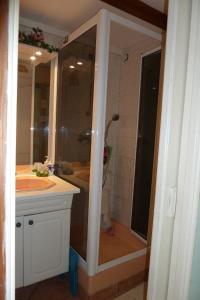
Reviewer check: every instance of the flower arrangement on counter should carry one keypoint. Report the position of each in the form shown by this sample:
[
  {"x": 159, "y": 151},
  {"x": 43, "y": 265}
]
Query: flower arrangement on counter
[
  {"x": 43, "y": 169},
  {"x": 40, "y": 170},
  {"x": 36, "y": 38}
]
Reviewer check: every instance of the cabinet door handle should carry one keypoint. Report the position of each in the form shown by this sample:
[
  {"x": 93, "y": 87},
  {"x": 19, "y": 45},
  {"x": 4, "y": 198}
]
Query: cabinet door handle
[
  {"x": 18, "y": 225},
  {"x": 30, "y": 222}
]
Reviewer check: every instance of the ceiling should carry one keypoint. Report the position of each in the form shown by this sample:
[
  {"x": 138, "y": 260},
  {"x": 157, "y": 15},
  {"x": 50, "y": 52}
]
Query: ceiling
[
  {"x": 123, "y": 38},
  {"x": 67, "y": 15}
]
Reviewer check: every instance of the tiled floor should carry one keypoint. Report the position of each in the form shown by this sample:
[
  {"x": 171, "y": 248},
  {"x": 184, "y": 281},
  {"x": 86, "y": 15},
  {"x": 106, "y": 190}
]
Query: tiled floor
[
  {"x": 56, "y": 288},
  {"x": 138, "y": 293},
  {"x": 121, "y": 243}
]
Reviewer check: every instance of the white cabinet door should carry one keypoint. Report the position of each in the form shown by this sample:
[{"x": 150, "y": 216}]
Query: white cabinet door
[
  {"x": 46, "y": 245},
  {"x": 19, "y": 253}
]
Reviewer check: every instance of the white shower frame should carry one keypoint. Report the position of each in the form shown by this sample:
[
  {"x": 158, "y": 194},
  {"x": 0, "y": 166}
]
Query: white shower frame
[{"x": 102, "y": 20}]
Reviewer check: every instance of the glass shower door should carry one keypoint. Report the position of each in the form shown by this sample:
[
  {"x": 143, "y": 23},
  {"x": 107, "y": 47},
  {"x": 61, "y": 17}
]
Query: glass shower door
[
  {"x": 76, "y": 64},
  {"x": 145, "y": 143}
]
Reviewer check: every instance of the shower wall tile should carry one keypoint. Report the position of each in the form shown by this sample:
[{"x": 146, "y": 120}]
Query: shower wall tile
[
  {"x": 122, "y": 207},
  {"x": 126, "y": 147},
  {"x": 128, "y": 126},
  {"x": 127, "y": 132},
  {"x": 125, "y": 107},
  {"x": 122, "y": 211},
  {"x": 112, "y": 107},
  {"x": 123, "y": 187},
  {"x": 123, "y": 169},
  {"x": 112, "y": 164},
  {"x": 109, "y": 181},
  {"x": 113, "y": 130}
]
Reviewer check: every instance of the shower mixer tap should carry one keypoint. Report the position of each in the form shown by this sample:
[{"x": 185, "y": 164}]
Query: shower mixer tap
[{"x": 85, "y": 135}]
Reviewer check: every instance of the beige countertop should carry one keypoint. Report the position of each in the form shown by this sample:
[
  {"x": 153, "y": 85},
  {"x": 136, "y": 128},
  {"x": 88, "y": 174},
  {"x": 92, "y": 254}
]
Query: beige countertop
[{"x": 59, "y": 187}]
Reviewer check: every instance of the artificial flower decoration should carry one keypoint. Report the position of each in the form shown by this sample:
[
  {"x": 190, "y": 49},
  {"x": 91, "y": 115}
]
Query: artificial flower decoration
[{"x": 36, "y": 38}]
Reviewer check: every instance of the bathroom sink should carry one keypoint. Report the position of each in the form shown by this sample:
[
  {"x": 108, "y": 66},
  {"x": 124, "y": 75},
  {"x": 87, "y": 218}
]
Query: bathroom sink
[{"x": 24, "y": 184}]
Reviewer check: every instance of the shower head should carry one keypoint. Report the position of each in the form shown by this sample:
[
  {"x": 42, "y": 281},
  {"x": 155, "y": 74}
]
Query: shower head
[{"x": 115, "y": 117}]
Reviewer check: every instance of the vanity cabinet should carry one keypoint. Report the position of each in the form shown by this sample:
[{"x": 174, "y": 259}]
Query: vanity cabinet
[
  {"x": 42, "y": 246},
  {"x": 43, "y": 230}
]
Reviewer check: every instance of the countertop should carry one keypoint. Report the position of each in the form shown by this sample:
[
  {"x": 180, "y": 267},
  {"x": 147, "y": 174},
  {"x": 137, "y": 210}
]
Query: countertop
[{"x": 60, "y": 188}]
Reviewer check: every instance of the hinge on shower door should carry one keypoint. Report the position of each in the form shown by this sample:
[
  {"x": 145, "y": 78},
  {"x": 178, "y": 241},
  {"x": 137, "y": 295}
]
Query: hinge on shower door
[{"x": 171, "y": 209}]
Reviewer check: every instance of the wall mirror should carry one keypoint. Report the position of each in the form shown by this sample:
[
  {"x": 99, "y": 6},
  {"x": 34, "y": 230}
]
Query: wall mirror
[{"x": 37, "y": 69}]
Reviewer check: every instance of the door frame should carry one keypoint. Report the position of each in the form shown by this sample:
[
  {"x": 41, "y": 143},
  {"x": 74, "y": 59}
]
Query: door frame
[
  {"x": 3, "y": 115},
  {"x": 10, "y": 155},
  {"x": 185, "y": 223},
  {"x": 177, "y": 177}
]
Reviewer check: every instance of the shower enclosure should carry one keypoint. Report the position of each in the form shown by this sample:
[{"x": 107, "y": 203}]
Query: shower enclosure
[{"x": 96, "y": 134}]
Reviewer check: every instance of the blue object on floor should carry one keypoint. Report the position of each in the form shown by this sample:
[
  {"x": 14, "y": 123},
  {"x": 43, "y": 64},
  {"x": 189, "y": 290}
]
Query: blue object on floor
[{"x": 73, "y": 271}]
